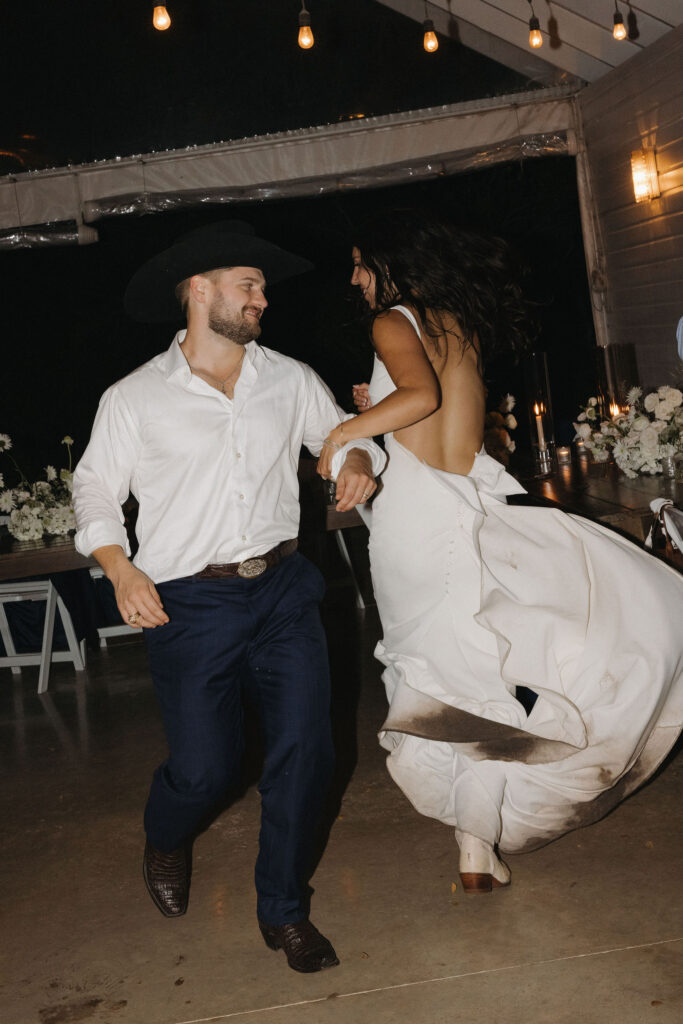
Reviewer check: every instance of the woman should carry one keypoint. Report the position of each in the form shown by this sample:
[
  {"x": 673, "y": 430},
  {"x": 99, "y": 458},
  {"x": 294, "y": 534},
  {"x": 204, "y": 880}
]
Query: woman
[{"x": 478, "y": 597}]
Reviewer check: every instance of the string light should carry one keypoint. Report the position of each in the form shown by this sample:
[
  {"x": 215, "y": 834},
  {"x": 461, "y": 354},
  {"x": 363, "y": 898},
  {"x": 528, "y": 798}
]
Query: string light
[
  {"x": 161, "y": 19},
  {"x": 306, "y": 39},
  {"x": 430, "y": 41},
  {"x": 535, "y": 37},
  {"x": 619, "y": 30}
]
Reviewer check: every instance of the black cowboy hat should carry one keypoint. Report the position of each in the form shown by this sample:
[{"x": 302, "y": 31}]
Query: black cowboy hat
[{"x": 150, "y": 295}]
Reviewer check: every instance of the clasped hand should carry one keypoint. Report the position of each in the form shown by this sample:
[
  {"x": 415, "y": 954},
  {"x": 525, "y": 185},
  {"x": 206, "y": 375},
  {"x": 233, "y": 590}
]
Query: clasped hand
[{"x": 355, "y": 482}]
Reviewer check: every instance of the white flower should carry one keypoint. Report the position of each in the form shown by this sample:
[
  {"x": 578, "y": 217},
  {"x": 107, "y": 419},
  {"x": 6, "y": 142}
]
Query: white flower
[
  {"x": 600, "y": 454},
  {"x": 508, "y": 403},
  {"x": 25, "y": 524},
  {"x": 633, "y": 396},
  {"x": 650, "y": 401},
  {"x": 583, "y": 430},
  {"x": 67, "y": 477},
  {"x": 592, "y": 401},
  {"x": 591, "y": 414},
  {"x": 510, "y": 422},
  {"x": 670, "y": 395},
  {"x": 581, "y": 417},
  {"x": 51, "y": 473},
  {"x": 6, "y": 501},
  {"x": 67, "y": 440},
  {"x": 649, "y": 439},
  {"x": 641, "y": 423},
  {"x": 5, "y": 442},
  {"x": 512, "y": 446},
  {"x": 59, "y": 520}
]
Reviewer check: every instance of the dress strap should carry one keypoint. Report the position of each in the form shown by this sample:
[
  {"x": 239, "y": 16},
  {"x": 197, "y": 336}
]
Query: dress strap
[{"x": 409, "y": 316}]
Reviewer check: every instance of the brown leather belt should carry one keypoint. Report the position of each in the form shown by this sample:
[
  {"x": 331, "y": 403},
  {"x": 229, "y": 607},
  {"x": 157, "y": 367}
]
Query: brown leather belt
[{"x": 250, "y": 567}]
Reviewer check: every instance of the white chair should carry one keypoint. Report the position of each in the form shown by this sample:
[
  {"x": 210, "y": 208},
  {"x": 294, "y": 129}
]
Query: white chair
[
  {"x": 39, "y": 590},
  {"x": 96, "y": 573}
]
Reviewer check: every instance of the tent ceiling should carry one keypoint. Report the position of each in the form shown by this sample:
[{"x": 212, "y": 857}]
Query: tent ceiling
[
  {"x": 577, "y": 34},
  {"x": 395, "y": 148}
]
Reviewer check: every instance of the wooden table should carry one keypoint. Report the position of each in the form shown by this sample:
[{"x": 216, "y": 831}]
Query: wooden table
[
  {"x": 39, "y": 558},
  {"x": 599, "y": 490}
]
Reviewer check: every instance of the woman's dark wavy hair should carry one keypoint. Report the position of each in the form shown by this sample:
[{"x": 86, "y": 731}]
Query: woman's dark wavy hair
[{"x": 424, "y": 262}]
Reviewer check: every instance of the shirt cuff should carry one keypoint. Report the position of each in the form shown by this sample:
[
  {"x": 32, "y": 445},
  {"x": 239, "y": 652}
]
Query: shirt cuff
[
  {"x": 99, "y": 534},
  {"x": 365, "y": 444}
]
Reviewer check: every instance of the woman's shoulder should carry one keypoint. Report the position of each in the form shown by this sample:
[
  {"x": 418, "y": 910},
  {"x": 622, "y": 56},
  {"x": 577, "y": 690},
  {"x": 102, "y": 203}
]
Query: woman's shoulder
[{"x": 396, "y": 320}]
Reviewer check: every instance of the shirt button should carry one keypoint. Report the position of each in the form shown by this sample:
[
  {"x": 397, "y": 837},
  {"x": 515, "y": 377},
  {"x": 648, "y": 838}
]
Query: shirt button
[
  {"x": 238, "y": 454},
  {"x": 241, "y": 497},
  {"x": 244, "y": 537}
]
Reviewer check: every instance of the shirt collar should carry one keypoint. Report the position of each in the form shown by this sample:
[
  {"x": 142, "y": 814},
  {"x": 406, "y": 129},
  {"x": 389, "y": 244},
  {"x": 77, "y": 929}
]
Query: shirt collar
[{"x": 174, "y": 363}]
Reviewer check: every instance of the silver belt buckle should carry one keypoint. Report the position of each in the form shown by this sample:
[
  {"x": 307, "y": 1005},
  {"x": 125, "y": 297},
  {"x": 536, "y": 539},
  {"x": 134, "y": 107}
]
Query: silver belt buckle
[{"x": 252, "y": 567}]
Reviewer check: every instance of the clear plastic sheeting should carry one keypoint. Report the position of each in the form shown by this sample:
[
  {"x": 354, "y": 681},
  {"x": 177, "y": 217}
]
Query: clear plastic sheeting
[
  {"x": 397, "y": 174},
  {"x": 39, "y": 235},
  {"x": 364, "y": 153}
]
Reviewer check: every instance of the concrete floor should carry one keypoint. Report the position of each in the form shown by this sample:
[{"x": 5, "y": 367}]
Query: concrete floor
[{"x": 591, "y": 929}]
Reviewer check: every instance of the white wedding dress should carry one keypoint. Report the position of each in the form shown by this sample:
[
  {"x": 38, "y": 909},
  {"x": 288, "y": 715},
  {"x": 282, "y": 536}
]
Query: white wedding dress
[{"x": 477, "y": 597}]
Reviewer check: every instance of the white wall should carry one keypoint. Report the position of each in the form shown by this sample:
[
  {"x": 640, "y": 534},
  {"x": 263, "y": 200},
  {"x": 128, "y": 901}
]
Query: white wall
[{"x": 640, "y": 102}]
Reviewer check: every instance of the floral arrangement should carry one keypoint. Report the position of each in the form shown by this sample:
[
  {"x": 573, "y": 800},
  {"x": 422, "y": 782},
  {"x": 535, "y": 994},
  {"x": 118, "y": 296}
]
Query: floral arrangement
[
  {"x": 648, "y": 430},
  {"x": 41, "y": 508},
  {"x": 497, "y": 425}
]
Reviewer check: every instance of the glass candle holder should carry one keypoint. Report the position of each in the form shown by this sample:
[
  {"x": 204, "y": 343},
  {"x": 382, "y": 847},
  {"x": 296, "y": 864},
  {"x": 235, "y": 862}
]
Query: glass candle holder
[
  {"x": 537, "y": 386},
  {"x": 564, "y": 454}
]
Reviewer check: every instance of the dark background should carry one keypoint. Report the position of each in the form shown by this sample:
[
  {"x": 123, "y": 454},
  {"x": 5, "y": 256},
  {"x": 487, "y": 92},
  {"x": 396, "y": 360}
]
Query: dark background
[{"x": 87, "y": 86}]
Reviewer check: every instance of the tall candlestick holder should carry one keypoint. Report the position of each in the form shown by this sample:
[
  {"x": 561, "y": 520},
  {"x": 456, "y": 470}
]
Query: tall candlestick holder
[{"x": 537, "y": 386}]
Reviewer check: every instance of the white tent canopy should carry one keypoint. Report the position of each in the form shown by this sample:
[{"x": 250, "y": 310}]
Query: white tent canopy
[{"x": 36, "y": 206}]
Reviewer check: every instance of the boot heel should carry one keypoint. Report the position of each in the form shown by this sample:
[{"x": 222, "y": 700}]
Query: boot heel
[{"x": 474, "y": 882}]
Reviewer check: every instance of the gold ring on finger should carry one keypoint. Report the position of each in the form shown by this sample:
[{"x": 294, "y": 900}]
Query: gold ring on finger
[{"x": 132, "y": 619}]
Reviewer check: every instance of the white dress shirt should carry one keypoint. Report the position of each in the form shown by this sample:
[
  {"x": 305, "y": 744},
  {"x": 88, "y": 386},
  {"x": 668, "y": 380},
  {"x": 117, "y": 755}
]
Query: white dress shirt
[{"x": 215, "y": 478}]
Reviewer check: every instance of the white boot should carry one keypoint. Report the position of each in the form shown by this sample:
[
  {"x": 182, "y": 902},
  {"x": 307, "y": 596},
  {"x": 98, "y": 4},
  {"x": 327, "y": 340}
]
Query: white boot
[{"x": 480, "y": 868}]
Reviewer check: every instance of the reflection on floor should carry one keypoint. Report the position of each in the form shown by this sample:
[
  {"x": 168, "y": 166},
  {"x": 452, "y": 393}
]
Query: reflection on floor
[{"x": 589, "y": 931}]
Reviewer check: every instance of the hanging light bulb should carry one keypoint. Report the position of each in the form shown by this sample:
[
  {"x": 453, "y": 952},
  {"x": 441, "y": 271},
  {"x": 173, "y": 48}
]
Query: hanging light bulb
[
  {"x": 161, "y": 19},
  {"x": 430, "y": 42},
  {"x": 535, "y": 37},
  {"x": 306, "y": 39},
  {"x": 619, "y": 30}
]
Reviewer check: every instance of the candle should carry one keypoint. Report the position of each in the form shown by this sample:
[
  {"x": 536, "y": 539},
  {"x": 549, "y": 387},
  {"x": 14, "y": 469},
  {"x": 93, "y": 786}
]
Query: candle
[
  {"x": 564, "y": 454},
  {"x": 539, "y": 428}
]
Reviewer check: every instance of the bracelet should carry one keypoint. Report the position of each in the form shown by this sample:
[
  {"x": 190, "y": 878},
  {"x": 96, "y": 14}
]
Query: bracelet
[{"x": 332, "y": 444}]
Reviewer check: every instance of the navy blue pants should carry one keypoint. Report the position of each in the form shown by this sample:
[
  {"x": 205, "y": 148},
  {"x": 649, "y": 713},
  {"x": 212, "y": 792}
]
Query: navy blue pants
[{"x": 263, "y": 636}]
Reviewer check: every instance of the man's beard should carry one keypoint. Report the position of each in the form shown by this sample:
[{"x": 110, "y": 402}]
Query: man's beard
[{"x": 232, "y": 325}]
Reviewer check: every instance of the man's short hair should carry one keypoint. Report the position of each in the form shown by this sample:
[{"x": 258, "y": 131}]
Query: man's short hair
[{"x": 182, "y": 289}]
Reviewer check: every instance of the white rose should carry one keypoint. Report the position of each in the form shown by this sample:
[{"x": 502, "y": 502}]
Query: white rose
[
  {"x": 583, "y": 430},
  {"x": 650, "y": 401},
  {"x": 592, "y": 401},
  {"x": 510, "y": 422},
  {"x": 649, "y": 438}
]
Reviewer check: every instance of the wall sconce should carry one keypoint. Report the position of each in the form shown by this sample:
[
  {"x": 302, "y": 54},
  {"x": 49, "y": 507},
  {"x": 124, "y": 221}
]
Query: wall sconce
[{"x": 644, "y": 173}]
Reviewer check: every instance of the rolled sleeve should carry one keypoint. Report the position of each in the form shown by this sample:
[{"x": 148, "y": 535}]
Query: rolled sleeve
[{"x": 364, "y": 444}]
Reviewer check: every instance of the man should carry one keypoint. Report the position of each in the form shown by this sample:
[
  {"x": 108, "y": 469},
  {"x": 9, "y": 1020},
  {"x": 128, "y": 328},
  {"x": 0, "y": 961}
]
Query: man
[{"x": 207, "y": 437}]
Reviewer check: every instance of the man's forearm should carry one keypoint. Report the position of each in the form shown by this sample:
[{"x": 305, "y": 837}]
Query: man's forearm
[{"x": 113, "y": 559}]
